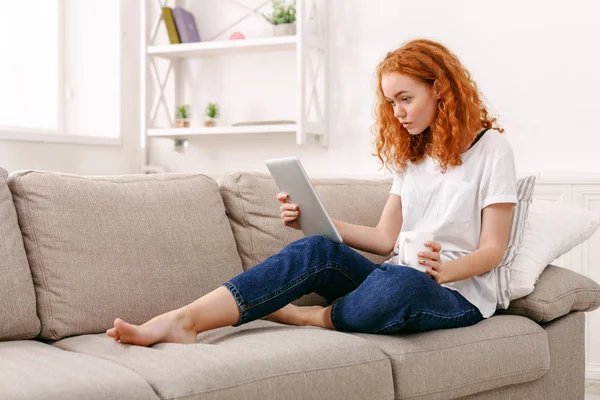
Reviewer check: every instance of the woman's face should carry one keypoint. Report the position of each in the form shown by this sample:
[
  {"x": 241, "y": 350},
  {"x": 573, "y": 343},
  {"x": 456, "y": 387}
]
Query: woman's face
[{"x": 414, "y": 102}]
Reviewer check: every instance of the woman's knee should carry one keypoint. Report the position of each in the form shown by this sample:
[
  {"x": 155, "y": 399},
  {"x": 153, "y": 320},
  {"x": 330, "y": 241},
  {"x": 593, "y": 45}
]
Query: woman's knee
[
  {"x": 318, "y": 240},
  {"x": 319, "y": 243}
]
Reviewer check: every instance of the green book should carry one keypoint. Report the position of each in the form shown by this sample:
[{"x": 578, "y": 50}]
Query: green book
[{"x": 167, "y": 14}]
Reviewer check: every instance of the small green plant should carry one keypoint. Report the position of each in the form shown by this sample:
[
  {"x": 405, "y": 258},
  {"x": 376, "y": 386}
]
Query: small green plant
[
  {"x": 183, "y": 111},
  {"x": 181, "y": 142},
  {"x": 283, "y": 13},
  {"x": 212, "y": 110}
]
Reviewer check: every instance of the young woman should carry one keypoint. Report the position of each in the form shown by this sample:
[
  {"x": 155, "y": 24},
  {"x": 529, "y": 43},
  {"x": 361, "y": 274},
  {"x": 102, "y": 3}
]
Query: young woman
[{"x": 454, "y": 175}]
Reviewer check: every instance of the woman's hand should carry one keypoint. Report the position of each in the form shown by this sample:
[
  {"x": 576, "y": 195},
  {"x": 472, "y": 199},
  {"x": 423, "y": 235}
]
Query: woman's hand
[
  {"x": 289, "y": 211},
  {"x": 432, "y": 263}
]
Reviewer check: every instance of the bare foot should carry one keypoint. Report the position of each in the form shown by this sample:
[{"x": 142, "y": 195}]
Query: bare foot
[
  {"x": 172, "y": 327},
  {"x": 294, "y": 315}
]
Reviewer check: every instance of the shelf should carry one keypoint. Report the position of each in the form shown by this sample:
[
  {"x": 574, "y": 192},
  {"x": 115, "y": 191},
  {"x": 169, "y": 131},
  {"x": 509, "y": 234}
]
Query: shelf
[
  {"x": 185, "y": 50},
  {"x": 221, "y": 130},
  {"x": 309, "y": 49}
]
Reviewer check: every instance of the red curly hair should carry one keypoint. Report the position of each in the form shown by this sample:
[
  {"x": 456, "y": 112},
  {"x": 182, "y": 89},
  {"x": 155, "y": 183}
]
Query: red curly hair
[{"x": 459, "y": 105}]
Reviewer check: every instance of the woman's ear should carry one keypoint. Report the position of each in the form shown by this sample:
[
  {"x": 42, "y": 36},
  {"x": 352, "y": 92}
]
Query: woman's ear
[{"x": 437, "y": 89}]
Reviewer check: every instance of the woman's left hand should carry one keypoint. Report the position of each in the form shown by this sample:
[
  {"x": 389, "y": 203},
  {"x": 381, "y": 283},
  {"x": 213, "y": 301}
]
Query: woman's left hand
[{"x": 431, "y": 261}]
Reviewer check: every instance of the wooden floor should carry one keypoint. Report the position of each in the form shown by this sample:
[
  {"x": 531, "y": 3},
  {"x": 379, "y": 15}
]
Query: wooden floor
[{"x": 592, "y": 390}]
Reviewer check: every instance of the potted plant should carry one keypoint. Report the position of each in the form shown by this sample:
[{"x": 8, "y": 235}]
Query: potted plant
[
  {"x": 212, "y": 114},
  {"x": 283, "y": 18},
  {"x": 180, "y": 145},
  {"x": 182, "y": 116}
]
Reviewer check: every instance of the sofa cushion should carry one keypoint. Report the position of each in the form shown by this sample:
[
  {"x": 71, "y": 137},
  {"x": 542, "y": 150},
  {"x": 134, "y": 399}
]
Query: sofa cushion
[
  {"x": 259, "y": 360},
  {"x": 557, "y": 292},
  {"x": 565, "y": 379},
  {"x": 253, "y": 210},
  {"x": 17, "y": 297},
  {"x": 450, "y": 363},
  {"x": 32, "y": 370},
  {"x": 129, "y": 246}
]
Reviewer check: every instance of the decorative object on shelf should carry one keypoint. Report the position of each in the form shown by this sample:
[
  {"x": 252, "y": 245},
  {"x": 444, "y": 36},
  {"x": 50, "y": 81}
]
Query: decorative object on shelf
[
  {"x": 283, "y": 18},
  {"x": 167, "y": 15},
  {"x": 211, "y": 114},
  {"x": 180, "y": 145},
  {"x": 186, "y": 25},
  {"x": 237, "y": 36},
  {"x": 182, "y": 116}
]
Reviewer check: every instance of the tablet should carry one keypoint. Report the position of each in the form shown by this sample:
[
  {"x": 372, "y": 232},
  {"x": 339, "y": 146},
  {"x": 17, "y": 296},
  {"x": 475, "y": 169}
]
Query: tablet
[{"x": 292, "y": 179}]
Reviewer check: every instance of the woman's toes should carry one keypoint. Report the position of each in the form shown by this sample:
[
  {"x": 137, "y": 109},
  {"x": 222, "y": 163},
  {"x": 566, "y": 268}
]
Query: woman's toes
[{"x": 122, "y": 326}]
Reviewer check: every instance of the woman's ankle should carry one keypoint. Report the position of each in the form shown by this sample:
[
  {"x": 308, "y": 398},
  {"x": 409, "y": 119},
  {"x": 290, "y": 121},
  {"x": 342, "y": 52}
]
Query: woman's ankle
[{"x": 188, "y": 319}]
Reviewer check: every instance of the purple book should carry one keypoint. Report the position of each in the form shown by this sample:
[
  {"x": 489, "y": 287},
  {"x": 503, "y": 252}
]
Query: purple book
[{"x": 186, "y": 25}]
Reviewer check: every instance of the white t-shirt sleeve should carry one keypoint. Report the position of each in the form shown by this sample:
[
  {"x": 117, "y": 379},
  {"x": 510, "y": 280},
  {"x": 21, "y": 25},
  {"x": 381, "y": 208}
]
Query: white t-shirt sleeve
[
  {"x": 397, "y": 184},
  {"x": 499, "y": 183}
]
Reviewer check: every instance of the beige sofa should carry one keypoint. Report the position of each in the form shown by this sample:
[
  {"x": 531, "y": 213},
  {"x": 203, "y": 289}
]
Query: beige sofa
[{"x": 76, "y": 252}]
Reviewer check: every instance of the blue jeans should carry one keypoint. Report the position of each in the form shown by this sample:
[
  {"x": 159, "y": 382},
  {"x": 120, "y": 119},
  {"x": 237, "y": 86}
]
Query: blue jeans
[{"x": 364, "y": 296}]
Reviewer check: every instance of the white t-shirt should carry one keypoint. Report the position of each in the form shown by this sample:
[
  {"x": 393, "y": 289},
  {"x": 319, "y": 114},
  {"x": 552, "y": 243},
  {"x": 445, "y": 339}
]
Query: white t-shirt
[{"x": 450, "y": 204}]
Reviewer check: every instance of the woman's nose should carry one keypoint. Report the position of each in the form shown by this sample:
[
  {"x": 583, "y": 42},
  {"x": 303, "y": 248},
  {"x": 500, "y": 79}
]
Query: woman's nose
[{"x": 399, "y": 112}]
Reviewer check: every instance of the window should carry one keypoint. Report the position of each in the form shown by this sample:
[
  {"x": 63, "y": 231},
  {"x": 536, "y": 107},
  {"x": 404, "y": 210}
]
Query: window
[
  {"x": 60, "y": 73},
  {"x": 29, "y": 71}
]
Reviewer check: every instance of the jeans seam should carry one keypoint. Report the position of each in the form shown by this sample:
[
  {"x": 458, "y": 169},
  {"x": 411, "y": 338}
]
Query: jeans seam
[
  {"x": 441, "y": 316},
  {"x": 331, "y": 313},
  {"x": 300, "y": 279},
  {"x": 242, "y": 305},
  {"x": 423, "y": 312}
]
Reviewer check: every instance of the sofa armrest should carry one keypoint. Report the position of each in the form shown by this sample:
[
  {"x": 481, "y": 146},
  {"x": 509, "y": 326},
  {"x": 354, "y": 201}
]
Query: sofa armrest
[{"x": 557, "y": 292}]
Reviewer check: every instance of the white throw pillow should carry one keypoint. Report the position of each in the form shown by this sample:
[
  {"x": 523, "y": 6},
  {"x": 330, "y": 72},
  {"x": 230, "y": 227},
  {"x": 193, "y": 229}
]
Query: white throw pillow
[{"x": 551, "y": 230}]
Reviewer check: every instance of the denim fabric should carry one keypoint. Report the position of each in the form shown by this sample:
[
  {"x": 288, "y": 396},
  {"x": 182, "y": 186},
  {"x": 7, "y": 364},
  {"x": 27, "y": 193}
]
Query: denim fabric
[{"x": 364, "y": 297}]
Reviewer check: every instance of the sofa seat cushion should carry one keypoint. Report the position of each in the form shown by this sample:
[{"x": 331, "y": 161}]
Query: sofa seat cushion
[
  {"x": 33, "y": 370},
  {"x": 558, "y": 292},
  {"x": 450, "y": 363},
  {"x": 259, "y": 360},
  {"x": 128, "y": 246},
  {"x": 17, "y": 297}
]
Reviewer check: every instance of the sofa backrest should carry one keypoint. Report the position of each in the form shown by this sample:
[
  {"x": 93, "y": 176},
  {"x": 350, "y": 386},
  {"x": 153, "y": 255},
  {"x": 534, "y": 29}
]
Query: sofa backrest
[
  {"x": 17, "y": 297},
  {"x": 253, "y": 211},
  {"x": 128, "y": 246}
]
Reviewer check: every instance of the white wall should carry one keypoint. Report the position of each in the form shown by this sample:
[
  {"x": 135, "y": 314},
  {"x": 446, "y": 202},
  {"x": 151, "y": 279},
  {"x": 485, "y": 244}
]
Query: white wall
[
  {"x": 83, "y": 158},
  {"x": 535, "y": 61}
]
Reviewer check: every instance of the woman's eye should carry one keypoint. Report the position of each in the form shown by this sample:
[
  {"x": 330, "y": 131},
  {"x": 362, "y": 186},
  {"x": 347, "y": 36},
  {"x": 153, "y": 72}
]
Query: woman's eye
[
  {"x": 405, "y": 99},
  {"x": 392, "y": 102}
]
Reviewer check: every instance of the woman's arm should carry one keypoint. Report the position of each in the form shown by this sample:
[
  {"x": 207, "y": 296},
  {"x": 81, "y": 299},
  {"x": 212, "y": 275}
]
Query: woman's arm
[
  {"x": 493, "y": 240},
  {"x": 380, "y": 239}
]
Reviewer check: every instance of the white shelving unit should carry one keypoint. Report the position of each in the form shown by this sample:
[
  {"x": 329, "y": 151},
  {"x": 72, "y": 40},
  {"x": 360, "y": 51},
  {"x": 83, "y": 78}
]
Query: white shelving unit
[
  {"x": 308, "y": 46},
  {"x": 182, "y": 133},
  {"x": 202, "y": 49}
]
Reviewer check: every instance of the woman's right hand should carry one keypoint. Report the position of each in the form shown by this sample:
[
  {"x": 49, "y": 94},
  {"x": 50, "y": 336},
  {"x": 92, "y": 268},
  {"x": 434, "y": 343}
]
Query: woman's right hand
[{"x": 289, "y": 211}]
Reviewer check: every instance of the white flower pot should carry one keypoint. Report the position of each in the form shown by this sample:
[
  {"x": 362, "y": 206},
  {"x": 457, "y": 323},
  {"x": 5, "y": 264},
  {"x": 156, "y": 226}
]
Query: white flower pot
[{"x": 284, "y": 29}]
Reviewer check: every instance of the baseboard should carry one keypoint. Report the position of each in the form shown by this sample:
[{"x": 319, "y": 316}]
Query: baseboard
[{"x": 592, "y": 371}]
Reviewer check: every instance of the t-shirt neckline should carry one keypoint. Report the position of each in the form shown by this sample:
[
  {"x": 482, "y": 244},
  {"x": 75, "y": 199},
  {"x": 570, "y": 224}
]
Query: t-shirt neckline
[{"x": 476, "y": 141}]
